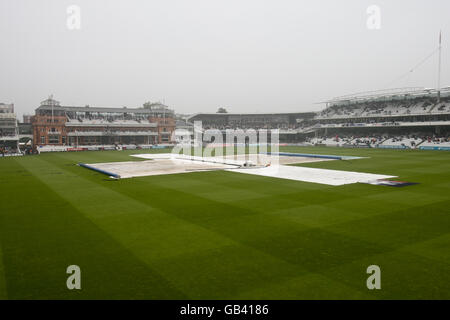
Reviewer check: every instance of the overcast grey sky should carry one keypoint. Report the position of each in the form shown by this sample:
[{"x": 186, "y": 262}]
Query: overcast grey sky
[{"x": 198, "y": 55}]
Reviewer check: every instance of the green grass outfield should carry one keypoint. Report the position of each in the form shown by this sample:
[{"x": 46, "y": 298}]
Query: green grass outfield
[{"x": 224, "y": 235}]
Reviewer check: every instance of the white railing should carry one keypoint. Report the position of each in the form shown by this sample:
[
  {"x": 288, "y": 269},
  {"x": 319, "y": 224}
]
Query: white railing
[
  {"x": 8, "y": 116},
  {"x": 9, "y": 138},
  {"x": 104, "y": 123},
  {"x": 111, "y": 133}
]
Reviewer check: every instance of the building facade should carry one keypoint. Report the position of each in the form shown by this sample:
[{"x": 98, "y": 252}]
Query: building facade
[
  {"x": 27, "y": 118},
  {"x": 57, "y": 125},
  {"x": 9, "y": 133}
]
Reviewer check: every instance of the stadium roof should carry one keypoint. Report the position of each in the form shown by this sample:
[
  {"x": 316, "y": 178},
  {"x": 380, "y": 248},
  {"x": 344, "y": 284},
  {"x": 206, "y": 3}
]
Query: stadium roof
[
  {"x": 408, "y": 92},
  {"x": 250, "y": 114},
  {"x": 102, "y": 109},
  {"x": 148, "y": 108}
]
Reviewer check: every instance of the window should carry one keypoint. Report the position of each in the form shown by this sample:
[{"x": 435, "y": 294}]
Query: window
[
  {"x": 53, "y": 139},
  {"x": 42, "y": 140}
]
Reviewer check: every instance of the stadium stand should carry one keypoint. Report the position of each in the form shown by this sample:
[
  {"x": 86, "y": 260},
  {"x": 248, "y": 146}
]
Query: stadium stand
[
  {"x": 384, "y": 141},
  {"x": 62, "y": 128},
  {"x": 9, "y": 131},
  {"x": 432, "y": 142},
  {"x": 396, "y": 118}
]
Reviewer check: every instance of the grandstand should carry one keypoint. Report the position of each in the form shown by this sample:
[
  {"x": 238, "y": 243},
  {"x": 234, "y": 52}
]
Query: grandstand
[
  {"x": 62, "y": 128},
  {"x": 286, "y": 123},
  {"x": 281, "y": 121},
  {"x": 9, "y": 130},
  {"x": 398, "y": 103},
  {"x": 403, "y": 118},
  {"x": 395, "y": 118}
]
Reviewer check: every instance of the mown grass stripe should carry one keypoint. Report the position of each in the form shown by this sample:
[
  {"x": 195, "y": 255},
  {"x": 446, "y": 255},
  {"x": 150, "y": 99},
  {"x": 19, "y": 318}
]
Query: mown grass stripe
[
  {"x": 264, "y": 235},
  {"x": 321, "y": 251},
  {"x": 332, "y": 244},
  {"x": 122, "y": 231},
  {"x": 3, "y": 291},
  {"x": 39, "y": 242}
]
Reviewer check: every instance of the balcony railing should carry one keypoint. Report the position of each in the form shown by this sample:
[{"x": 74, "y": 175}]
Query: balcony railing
[
  {"x": 111, "y": 133},
  {"x": 9, "y": 137},
  {"x": 116, "y": 123},
  {"x": 11, "y": 116}
]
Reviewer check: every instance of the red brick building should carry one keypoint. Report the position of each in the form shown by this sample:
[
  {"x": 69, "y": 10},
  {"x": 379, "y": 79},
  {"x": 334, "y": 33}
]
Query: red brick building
[{"x": 58, "y": 125}]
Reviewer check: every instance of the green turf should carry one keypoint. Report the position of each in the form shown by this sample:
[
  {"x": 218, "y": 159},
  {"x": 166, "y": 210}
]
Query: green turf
[{"x": 224, "y": 235}]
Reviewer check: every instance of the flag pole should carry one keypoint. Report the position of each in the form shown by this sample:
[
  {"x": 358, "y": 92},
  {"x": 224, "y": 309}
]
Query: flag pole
[{"x": 439, "y": 69}]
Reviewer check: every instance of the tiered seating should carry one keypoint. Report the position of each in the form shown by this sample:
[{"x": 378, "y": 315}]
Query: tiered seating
[
  {"x": 420, "y": 107},
  {"x": 440, "y": 142},
  {"x": 384, "y": 141},
  {"x": 372, "y": 141},
  {"x": 333, "y": 142},
  {"x": 381, "y": 108},
  {"x": 394, "y": 109},
  {"x": 402, "y": 141},
  {"x": 442, "y": 108}
]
